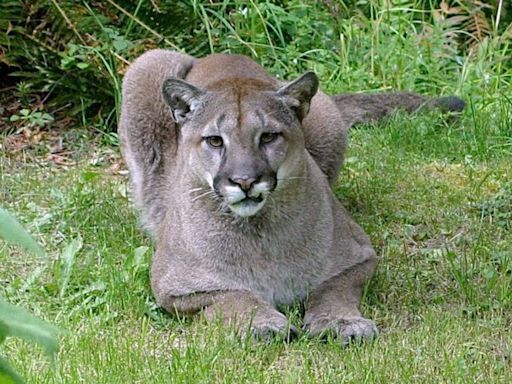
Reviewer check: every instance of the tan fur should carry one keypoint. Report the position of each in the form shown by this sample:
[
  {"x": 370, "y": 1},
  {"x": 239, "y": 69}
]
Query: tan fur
[{"x": 246, "y": 225}]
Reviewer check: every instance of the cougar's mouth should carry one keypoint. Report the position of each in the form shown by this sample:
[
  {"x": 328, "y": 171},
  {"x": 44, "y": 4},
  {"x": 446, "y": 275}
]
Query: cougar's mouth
[
  {"x": 248, "y": 206},
  {"x": 249, "y": 199},
  {"x": 243, "y": 201}
]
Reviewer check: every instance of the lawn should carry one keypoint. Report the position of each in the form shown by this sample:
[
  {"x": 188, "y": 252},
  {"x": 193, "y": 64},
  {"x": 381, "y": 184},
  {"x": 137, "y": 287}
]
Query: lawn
[
  {"x": 435, "y": 196},
  {"x": 433, "y": 192}
]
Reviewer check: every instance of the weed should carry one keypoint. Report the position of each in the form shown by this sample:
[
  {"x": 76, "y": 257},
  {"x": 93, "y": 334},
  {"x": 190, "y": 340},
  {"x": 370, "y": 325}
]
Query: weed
[{"x": 32, "y": 119}]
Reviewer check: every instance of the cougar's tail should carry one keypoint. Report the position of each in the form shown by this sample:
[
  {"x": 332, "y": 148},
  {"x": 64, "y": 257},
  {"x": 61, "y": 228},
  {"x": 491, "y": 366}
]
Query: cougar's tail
[{"x": 363, "y": 108}]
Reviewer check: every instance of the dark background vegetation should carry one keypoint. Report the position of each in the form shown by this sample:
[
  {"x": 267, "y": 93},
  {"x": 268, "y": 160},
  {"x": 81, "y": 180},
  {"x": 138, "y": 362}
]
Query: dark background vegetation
[{"x": 61, "y": 61}]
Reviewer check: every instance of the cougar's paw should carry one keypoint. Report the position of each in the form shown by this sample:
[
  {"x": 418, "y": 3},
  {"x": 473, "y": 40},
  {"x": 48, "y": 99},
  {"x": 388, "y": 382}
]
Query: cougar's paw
[
  {"x": 268, "y": 328},
  {"x": 346, "y": 330}
]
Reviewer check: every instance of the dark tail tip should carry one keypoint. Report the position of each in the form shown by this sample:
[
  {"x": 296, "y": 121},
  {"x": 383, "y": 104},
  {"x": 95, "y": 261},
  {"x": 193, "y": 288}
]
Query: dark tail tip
[{"x": 450, "y": 104}]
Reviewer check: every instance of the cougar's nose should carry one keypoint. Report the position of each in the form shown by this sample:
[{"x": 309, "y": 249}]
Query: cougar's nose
[{"x": 245, "y": 183}]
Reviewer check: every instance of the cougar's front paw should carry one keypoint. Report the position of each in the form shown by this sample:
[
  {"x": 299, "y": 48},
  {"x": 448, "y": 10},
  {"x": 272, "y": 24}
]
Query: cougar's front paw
[
  {"x": 266, "y": 326},
  {"x": 260, "y": 323},
  {"x": 346, "y": 330}
]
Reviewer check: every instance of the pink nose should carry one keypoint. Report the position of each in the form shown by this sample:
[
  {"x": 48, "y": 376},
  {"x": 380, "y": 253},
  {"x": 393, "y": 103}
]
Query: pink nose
[{"x": 245, "y": 183}]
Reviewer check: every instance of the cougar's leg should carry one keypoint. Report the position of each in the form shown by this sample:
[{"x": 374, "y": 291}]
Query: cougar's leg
[
  {"x": 332, "y": 307},
  {"x": 241, "y": 308}
]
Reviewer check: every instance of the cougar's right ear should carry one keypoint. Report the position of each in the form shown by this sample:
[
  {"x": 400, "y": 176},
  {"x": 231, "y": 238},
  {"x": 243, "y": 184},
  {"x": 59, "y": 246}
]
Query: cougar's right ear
[
  {"x": 298, "y": 93},
  {"x": 182, "y": 97}
]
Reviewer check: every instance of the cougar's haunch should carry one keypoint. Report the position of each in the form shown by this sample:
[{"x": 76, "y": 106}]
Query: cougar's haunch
[{"x": 231, "y": 170}]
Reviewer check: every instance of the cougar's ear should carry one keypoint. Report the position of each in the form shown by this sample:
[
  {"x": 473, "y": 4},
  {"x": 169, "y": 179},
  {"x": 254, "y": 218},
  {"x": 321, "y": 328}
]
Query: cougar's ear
[
  {"x": 298, "y": 93},
  {"x": 182, "y": 97}
]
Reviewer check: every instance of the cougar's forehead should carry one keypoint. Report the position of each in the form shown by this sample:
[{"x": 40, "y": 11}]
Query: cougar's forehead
[{"x": 234, "y": 116}]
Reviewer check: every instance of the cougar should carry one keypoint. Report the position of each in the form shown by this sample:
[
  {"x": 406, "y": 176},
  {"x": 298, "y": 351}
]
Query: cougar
[{"x": 232, "y": 171}]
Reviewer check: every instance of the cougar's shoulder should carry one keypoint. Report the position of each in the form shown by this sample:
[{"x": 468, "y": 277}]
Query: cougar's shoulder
[{"x": 146, "y": 129}]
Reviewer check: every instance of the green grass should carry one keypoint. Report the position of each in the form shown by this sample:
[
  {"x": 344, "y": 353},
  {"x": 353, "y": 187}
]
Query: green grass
[
  {"x": 434, "y": 194},
  {"x": 435, "y": 200}
]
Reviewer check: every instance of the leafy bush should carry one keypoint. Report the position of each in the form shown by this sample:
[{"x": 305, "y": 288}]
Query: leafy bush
[{"x": 15, "y": 321}]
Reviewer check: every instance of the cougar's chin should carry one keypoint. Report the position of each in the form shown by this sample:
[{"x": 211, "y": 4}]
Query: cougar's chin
[{"x": 248, "y": 206}]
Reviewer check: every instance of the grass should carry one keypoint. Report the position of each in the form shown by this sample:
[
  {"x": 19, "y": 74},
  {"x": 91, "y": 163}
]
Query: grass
[
  {"x": 435, "y": 202},
  {"x": 434, "y": 194}
]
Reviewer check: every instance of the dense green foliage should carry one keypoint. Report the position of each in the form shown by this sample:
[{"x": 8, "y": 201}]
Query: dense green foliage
[{"x": 66, "y": 58}]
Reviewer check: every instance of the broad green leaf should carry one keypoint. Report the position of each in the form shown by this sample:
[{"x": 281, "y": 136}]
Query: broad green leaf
[
  {"x": 11, "y": 230},
  {"x": 47, "y": 117},
  {"x": 120, "y": 44},
  {"x": 8, "y": 375},
  {"x": 15, "y": 321}
]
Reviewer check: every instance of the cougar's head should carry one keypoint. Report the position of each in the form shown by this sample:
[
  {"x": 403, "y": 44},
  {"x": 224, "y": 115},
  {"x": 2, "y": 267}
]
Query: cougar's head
[{"x": 241, "y": 138}]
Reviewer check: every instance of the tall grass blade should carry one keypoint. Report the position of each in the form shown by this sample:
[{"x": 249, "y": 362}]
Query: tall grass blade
[{"x": 68, "y": 260}]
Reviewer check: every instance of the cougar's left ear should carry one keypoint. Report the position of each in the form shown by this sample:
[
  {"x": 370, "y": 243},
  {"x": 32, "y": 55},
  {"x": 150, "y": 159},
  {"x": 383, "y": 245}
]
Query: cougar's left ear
[
  {"x": 182, "y": 97},
  {"x": 298, "y": 93}
]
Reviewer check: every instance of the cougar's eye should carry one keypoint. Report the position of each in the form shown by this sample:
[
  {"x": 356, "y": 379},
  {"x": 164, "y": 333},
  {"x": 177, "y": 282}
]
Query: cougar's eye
[
  {"x": 214, "y": 141},
  {"x": 268, "y": 137}
]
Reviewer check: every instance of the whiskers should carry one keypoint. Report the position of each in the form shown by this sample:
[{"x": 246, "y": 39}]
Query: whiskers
[
  {"x": 217, "y": 204},
  {"x": 203, "y": 192}
]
